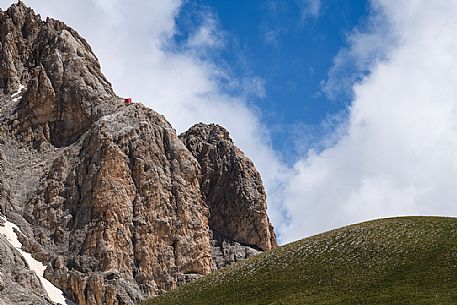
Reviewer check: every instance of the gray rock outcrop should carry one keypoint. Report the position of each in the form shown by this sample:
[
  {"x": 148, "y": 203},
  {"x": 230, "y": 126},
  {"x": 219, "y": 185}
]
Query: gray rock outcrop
[
  {"x": 231, "y": 187},
  {"x": 225, "y": 251},
  {"x": 66, "y": 90},
  {"x": 18, "y": 284}
]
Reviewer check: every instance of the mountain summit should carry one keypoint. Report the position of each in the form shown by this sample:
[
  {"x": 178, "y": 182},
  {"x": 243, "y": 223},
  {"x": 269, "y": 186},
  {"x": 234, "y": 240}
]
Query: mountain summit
[{"x": 104, "y": 194}]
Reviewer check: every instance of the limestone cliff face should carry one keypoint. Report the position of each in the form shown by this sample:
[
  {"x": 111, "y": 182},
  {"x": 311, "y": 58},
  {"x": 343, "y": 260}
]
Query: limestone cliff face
[
  {"x": 128, "y": 215},
  {"x": 66, "y": 89},
  {"x": 106, "y": 194},
  {"x": 231, "y": 187},
  {"x": 18, "y": 285}
]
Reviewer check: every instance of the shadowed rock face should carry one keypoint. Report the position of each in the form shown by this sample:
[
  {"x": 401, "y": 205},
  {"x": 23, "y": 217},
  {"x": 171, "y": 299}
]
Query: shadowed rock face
[
  {"x": 231, "y": 187},
  {"x": 106, "y": 194}
]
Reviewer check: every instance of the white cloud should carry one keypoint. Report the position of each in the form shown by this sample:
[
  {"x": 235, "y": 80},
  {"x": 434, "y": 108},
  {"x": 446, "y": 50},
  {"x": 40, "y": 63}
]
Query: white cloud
[
  {"x": 398, "y": 154},
  {"x": 395, "y": 155},
  {"x": 370, "y": 42},
  {"x": 310, "y": 8},
  {"x": 271, "y": 37},
  {"x": 208, "y": 35}
]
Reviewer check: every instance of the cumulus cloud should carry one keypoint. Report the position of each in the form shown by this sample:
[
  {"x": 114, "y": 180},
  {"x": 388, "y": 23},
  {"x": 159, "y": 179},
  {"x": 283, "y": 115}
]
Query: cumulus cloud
[
  {"x": 398, "y": 151},
  {"x": 395, "y": 151},
  {"x": 368, "y": 43},
  {"x": 208, "y": 35}
]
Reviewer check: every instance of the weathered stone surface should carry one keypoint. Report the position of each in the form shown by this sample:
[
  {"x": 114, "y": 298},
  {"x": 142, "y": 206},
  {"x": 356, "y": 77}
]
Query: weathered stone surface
[
  {"x": 225, "y": 251},
  {"x": 127, "y": 214},
  {"x": 66, "y": 89},
  {"x": 18, "y": 284},
  {"x": 106, "y": 194},
  {"x": 231, "y": 187}
]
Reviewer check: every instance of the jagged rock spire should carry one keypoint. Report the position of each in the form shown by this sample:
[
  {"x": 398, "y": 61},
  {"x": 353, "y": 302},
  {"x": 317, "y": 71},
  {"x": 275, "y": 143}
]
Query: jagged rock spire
[{"x": 232, "y": 187}]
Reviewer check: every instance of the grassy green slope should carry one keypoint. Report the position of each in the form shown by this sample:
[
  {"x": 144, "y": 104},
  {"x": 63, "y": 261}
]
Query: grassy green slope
[{"x": 411, "y": 260}]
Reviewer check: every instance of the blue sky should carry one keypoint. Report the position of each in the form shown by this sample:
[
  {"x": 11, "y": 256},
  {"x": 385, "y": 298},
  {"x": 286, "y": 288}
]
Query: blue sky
[
  {"x": 290, "y": 49},
  {"x": 384, "y": 144}
]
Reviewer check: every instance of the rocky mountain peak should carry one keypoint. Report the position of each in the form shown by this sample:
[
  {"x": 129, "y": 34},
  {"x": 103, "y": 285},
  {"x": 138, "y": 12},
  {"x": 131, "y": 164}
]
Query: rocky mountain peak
[
  {"x": 18, "y": 10},
  {"x": 64, "y": 86},
  {"x": 105, "y": 194},
  {"x": 231, "y": 186}
]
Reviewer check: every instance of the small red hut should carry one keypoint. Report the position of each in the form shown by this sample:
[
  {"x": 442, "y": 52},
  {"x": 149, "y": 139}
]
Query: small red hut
[{"x": 128, "y": 101}]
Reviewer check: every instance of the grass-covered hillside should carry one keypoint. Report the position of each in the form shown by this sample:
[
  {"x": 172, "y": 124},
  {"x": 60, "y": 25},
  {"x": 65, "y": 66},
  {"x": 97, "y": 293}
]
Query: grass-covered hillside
[{"x": 410, "y": 260}]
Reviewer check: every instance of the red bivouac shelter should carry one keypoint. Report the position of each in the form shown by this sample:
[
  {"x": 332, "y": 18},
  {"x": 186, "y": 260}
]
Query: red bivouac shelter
[{"x": 127, "y": 101}]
